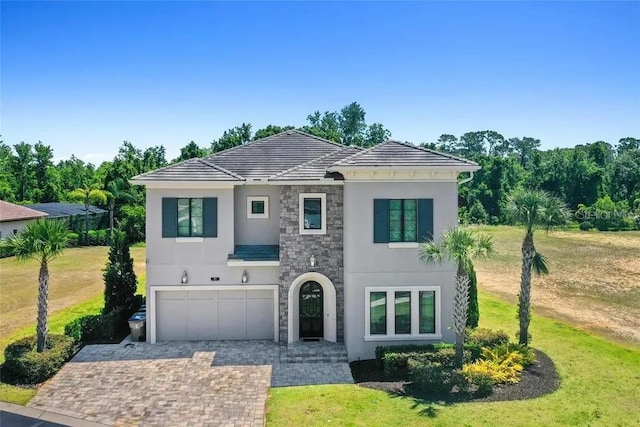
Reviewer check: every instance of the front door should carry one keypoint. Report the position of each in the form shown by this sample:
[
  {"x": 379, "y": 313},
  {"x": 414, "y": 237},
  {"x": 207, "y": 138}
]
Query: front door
[{"x": 311, "y": 309}]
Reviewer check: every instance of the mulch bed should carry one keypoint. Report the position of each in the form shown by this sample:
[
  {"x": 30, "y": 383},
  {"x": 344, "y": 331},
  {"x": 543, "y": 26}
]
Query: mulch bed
[{"x": 537, "y": 380}]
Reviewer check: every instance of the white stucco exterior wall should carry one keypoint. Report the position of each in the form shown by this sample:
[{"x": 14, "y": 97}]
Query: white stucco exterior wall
[
  {"x": 368, "y": 264},
  {"x": 203, "y": 258}
]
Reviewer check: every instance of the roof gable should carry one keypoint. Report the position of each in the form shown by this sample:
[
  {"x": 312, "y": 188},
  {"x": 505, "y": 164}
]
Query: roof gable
[{"x": 264, "y": 158}]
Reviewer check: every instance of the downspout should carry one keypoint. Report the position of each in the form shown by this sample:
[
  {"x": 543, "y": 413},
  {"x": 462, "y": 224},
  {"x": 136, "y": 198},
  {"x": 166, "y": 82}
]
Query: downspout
[{"x": 464, "y": 181}]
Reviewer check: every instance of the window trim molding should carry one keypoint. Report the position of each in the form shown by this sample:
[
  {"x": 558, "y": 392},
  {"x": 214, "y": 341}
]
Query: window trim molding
[
  {"x": 323, "y": 213},
  {"x": 415, "y": 314},
  {"x": 403, "y": 245},
  {"x": 264, "y": 199}
]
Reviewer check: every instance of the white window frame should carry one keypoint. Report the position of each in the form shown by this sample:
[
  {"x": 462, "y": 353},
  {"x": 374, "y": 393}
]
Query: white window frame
[
  {"x": 391, "y": 314},
  {"x": 264, "y": 199},
  {"x": 323, "y": 204}
]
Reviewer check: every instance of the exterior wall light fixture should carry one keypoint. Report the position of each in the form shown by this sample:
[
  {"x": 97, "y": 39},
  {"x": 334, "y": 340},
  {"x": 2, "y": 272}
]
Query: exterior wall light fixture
[
  {"x": 245, "y": 277},
  {"x": 312, "y": 260},
  {"x": 185, "y": 278}
]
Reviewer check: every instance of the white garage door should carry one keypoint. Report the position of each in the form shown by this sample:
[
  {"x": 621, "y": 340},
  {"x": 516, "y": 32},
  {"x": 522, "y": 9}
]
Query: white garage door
[{"x": 214, "y": 315}]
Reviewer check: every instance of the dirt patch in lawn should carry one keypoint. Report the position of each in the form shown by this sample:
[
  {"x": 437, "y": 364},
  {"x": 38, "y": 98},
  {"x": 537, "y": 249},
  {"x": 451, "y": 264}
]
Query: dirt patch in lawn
[
  {"x": 537, "y": 380},
  {"x": 593, "y": 282}
]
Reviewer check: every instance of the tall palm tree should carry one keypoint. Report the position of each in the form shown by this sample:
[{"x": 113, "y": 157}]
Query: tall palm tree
[
  {"x": 462, "y": 247},
  {"x": 88, "y": 195},
  {"x": 116, "y": 192},
  {"x": 42, "y": 240},
  {"x": 533, "y": 209}
]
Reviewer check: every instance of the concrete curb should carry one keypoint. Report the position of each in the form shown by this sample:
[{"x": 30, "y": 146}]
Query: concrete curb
[{"x": 42, "y": 415}]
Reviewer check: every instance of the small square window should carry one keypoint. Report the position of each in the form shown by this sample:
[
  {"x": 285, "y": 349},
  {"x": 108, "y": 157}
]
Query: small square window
[{"x": 258, "y": 207}]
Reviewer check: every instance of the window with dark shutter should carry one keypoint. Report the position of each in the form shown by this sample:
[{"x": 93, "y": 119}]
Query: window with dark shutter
[
  {"x": 189, "y": 217},
  {"x": 402, "y": 220}
]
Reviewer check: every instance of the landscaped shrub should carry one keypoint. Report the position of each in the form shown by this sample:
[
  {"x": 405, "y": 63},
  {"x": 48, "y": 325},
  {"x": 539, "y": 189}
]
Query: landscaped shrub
[
  {"x": 485, "y": 337},
  {"x": 99, "y": 327},
  {"x": 393, "y": 359},
  {"x": 97, "y": 237},
  {"x": 381, "y": 351},
  {"x": 527, "y": 355},
  {"x": 24, "y": 365},
  {"x": 72, "y": 240},
  {"x": 120, "y": 280},
  {"x": 501, "y": 366},
  {"x": 586, "y": 226},
  {"x": 435, "y": 378}
]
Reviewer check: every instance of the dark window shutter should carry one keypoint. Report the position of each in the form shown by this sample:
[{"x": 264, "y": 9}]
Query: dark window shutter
[
  {"x": 210, "y": 216},
  {"x": 169, "y": 217},
  {"x": 380, "y": 220},
  {"x": 425, "y": 220}
]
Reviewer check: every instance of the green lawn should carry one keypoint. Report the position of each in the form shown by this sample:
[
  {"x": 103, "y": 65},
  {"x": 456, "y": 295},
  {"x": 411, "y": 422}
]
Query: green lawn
[
  {"x": 91, "y": 261},
  {"x": 600, "y": 386}
]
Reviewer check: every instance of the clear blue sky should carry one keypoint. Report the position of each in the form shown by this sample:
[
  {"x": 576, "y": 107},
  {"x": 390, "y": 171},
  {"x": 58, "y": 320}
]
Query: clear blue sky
[{"x": 83, "y": 77}]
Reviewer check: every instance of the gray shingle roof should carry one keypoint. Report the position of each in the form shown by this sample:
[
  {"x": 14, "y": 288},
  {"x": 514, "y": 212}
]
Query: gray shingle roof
[
  {"x": 317, "y": 168},
  {"x": 297, "y": 156},
  {"x": 190, "y": 170},
  {"x": 402, "y": 154},
  {"x": 270, "y": 156}
]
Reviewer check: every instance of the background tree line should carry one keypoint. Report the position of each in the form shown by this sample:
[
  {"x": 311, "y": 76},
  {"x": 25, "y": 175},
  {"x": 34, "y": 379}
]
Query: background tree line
[{"x": 589, "y": 177}]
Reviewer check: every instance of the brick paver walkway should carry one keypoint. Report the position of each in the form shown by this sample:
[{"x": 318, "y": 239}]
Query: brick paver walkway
[{"x": 218, "y": 383}]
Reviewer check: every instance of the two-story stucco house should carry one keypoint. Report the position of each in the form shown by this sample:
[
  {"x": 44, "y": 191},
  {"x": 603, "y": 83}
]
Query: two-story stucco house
[{"x": 293, "y": 237}]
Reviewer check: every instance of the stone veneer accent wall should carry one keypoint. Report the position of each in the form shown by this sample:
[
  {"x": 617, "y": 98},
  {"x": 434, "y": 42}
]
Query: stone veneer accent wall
[{"x": 295, "y": 249}]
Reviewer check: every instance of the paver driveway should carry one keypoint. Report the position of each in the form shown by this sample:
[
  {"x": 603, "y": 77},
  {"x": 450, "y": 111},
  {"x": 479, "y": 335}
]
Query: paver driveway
[{"x": 219, "y": 383}]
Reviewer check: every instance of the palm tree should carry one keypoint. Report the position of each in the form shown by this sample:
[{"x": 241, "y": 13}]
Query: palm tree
[
  {"x": 42, "y": 240},
  {"x": 88, "y": 195},
  {"x": 460, "y": 246},
  {"x": 116, "y": 192},
  {"x": 533, "y": 209}
]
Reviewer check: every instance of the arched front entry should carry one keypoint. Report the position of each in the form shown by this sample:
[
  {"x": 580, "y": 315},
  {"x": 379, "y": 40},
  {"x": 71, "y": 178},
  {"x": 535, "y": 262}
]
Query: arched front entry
[{"x": 312, "y": 308}]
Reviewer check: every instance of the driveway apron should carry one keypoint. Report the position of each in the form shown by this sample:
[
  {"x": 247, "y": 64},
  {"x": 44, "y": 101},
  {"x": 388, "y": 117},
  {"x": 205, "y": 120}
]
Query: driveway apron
[{"x": 215, "y": 383}]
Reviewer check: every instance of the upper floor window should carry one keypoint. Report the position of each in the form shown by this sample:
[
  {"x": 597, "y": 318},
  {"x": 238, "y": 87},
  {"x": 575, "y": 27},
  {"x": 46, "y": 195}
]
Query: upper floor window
[
  {"x": 258, "y": 207},
  {"x": 313, "y": 213},
  {"x": 189, "y": 217},
  {"x": 403, "y": 220},
  {"x": 400, "y": 221}
]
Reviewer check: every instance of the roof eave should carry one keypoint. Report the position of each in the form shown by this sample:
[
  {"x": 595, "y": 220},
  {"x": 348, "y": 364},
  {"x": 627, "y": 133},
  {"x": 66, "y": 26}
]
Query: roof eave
[
  {"x": 185, "y": 183},
  {"x": 457, "y": 168}
]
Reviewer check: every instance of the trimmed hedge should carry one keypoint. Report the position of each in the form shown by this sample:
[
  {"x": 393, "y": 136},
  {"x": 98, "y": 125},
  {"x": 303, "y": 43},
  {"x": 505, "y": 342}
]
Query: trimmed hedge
[
  {"x": 98, "y": 327},
  {"x": 102, "y": 328},
  {"x": 393, "y": 359},
  {"x": 485, "y": 337},
  {"x": 435, "y": 378},
  {"x": 24, "y": 365}
]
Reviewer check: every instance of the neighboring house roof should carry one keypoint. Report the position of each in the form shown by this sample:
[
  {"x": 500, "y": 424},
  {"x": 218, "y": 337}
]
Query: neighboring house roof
[
  {"x": 63, "y": 210},
  {"x": 396, "y": 154},
  {"x": 10, "y": 212},
  {"x": 294, "y": 155}
]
